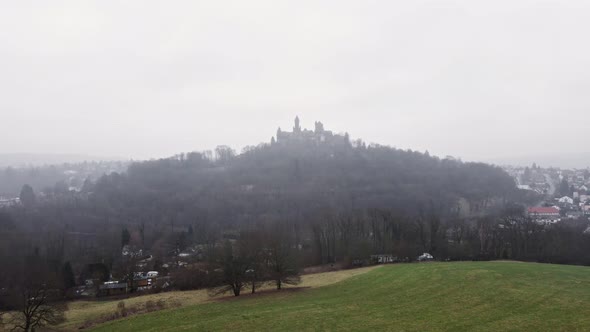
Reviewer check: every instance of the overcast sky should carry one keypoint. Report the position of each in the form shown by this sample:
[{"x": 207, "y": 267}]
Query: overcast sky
[{"x": 480, "y": 80}]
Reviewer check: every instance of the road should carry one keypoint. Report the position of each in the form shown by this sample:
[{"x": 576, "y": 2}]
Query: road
[
  {"x": 552, "y": 187},
  {"x": 550, "y": 193}
]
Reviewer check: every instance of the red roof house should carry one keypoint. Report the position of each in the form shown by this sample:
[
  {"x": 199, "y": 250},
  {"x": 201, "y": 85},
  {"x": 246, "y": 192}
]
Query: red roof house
[{"x": 543, "y": 212}]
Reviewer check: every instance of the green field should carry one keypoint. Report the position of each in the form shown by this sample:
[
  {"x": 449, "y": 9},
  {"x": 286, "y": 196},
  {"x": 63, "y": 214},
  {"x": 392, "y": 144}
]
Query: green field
[
  {"x": 81, "y": 312},
  {"x": 467, "y": 296}
]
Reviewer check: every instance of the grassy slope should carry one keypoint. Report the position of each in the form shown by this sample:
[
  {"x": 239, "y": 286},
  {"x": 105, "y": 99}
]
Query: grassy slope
[
  {"x": 80, "y": 311},
  {"x": 489, "y": 296}
]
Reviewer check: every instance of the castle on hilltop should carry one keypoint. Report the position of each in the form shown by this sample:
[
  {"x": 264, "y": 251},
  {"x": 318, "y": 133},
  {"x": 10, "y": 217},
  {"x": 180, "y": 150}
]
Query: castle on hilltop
[{"x": 317, "y": 136}]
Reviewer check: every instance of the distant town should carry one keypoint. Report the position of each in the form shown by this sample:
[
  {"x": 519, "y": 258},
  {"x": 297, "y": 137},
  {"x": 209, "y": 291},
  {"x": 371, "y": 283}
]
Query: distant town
[
  {"x": 563, "y": 193},
  {"x": 48, "y": 180}
]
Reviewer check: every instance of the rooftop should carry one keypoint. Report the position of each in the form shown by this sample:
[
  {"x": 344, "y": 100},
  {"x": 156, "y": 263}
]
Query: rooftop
[{"x": 543, "y": 210}]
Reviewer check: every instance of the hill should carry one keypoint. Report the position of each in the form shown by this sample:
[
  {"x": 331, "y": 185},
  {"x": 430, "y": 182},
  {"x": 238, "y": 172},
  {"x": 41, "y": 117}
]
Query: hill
[
  {"x": 336, "y": 200},
  {"x": 287, "y": 179},
  {"x": 304, "y": 185},
  {"x": 465, "y": 296}
]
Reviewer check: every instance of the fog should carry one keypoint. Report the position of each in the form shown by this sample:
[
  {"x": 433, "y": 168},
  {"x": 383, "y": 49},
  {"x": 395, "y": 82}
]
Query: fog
[{"x": 480, "y": 80}]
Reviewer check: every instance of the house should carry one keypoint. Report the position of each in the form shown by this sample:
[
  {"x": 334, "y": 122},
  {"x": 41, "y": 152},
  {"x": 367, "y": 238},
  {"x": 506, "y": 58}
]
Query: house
[
  {"x": 143, "y": 281},
  {"x": 525, "y": 187},
  {"x": 566, "y": 200},
  {"x": 6, "y": 202},
  {"x": 574, "y": 214},
  {"x": 111, "y": 288},
  {"x": 131, "y": 251},
  {"x": 383, "y": 259},
  {"x": 547, "y": 213}
]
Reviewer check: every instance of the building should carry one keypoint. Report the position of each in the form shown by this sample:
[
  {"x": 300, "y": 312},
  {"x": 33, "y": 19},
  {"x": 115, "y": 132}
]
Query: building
[
  {"x": 566, "y": 200},
  {"x": 383, "y": 259},
  {"x": 144, "y": 281},
  {"x": 112, "y": 288},
  {"x": 6, "y": 202},
  {"x": 545, "y": 213},
  {"x": 317, "y": 136},
  {"x": 574, "y": 214}
]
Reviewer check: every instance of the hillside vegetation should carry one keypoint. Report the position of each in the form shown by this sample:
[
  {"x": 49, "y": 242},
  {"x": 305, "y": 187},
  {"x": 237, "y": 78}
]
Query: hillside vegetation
[{"x": 482, "y": 296}]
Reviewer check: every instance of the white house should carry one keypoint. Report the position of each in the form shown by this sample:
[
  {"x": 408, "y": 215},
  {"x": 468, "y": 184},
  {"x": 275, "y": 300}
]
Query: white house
[
  {"x": 525, "y": 187},
  {"x": 6, "y": 202},
  {"x": 566, "y": 200}
]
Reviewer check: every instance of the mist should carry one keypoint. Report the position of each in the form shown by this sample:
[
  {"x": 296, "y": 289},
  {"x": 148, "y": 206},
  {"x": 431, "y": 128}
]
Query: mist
[
  {"x": 144, "y": 79},
  {"x": 158, "y": 159}
]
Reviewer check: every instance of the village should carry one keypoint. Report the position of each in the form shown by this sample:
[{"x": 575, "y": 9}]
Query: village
[{"x": 564, "y": 193}]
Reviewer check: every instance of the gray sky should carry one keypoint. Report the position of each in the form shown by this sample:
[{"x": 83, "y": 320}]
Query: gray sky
[{"x": 481, "y": 80}]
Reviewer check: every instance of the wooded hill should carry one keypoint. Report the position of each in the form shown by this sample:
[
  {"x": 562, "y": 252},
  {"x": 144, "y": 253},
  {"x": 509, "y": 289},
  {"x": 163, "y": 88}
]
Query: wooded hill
[{"x": 291, "y": 181}]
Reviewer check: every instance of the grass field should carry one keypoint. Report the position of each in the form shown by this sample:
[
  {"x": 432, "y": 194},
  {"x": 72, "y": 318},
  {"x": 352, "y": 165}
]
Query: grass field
[
  {"x": 82, "y": 311},
  {"x": 467, "y": 296}
]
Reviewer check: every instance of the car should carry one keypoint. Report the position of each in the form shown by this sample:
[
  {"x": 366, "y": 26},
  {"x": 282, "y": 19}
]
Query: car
[{"x": 425, "y": 257}]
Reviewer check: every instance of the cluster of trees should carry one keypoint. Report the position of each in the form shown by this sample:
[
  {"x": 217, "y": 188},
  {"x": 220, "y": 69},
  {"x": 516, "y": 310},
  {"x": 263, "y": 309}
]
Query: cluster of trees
[
  {"x": 256, "y": 258},
  {"x": 503, "y": 233},
  {"x": 565, "y": 189}
]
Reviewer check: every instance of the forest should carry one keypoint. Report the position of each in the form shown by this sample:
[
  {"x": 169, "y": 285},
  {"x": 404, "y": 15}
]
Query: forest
[{"x": 263, "y": 215}]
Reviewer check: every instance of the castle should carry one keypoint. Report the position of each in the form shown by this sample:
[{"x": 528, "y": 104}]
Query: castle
[{"x": 317, "y": 136}]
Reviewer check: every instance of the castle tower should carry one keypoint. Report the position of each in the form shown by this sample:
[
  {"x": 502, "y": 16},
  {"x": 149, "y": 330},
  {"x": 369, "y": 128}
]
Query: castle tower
[
  {"x": 319, "y": 127},
  {"x": 297, "y": 128}
]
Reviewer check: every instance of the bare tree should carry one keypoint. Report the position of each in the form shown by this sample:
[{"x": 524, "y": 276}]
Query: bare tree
[
  {"x": 282, "y": 263},
  {"x": 234, "y": 272},
  {"x": 251, "y": 249},
  {"x": 34, "y": 294},
  {"x": 35, "y": 308}
]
